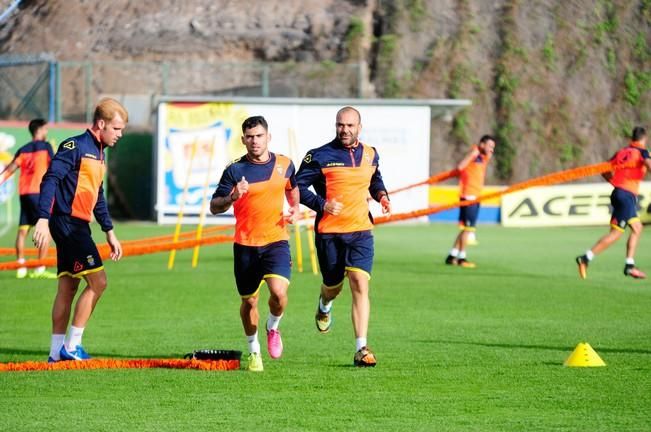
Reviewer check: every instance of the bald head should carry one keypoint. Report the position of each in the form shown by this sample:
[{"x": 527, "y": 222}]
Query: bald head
[
  {"x": 348, "y": 126},
  {"x": 349, "y": 109}
]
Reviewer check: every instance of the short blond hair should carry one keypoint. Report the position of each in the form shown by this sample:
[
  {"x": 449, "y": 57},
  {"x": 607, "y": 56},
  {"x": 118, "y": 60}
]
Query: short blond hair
[{"x": 107, "y": 109}]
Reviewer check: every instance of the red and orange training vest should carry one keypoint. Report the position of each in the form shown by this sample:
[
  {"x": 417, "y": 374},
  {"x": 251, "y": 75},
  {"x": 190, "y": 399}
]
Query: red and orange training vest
[
  {"x": 259, "y": 212},
  {"x": 471, "y": 178},
  {"x": 33, "y": 159},
  {"x": 347, "y": 175},
  {"x": 629, "y": 178}
]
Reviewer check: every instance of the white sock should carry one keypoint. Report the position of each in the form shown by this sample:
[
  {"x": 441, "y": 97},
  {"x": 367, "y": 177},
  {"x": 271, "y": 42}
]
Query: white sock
[
  {"x": 254, "y": 345},
  {"x": 325, "y": 307},
  {"x": 55, "y": 345},
  {"x": 454, "y": 252},
  {"x": 360, "y": 342},
  {"x": 630, "y": 261},
  {"x": 273, "y": 321},
  {"x": 39, "y": 269},
  {"x": 462, "y": 255},
  {"x": 589, "y": 255},
  {"x": 21, "y": 260},
  {"x": 74, "y": 338}
]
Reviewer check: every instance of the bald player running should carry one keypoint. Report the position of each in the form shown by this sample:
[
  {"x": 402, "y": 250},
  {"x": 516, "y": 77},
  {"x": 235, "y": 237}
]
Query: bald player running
[{"x": 344, "y": 173}]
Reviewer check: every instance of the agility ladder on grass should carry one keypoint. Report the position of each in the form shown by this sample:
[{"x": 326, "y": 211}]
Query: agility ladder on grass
[
  {"x": 206, "y": 365},
  {"x": 148, "y": 240},
  {"x": 128, "y": 250}
]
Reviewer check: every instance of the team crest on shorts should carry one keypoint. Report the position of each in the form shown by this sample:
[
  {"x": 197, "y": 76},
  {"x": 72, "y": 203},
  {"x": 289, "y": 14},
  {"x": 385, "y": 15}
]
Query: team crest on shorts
[
  {"x": 622, "y": 224},
  {"x": 90, "y": 260},
  {"x": 77, "y": 267}
]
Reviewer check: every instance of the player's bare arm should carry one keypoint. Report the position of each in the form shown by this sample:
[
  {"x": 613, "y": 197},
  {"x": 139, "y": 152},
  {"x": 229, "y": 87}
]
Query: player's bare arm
[
  {"x": 7, "y": 172},
  {"x": 293, "y": 197},
  {"x": 647, "y": 163},
  {"x": 469, "y": 158},
  {"x": 221, "y": 204}
]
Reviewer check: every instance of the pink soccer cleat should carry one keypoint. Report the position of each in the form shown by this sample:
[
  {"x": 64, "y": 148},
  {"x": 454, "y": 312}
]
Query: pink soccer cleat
[
  {"x": 274, "y": 344},
  {"x": 634, "y": 272}
]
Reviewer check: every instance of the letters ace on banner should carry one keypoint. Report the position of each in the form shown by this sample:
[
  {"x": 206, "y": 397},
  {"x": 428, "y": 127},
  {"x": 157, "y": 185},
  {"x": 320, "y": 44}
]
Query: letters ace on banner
[{"x": 566, "y": 205}]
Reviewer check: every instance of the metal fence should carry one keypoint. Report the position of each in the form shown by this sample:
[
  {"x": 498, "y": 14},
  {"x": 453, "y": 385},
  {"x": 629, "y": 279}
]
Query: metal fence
[
  {"x": 27, "y": 86},
  {"x": 40, "y": 86}
]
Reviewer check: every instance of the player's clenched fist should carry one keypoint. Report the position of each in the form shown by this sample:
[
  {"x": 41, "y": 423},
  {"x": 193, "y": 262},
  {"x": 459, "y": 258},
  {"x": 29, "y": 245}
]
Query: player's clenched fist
[
  {"x": 294, "y": 215},
  {"x": 386, "y": 204},
  {"x": 333, "y": 207},
  {"x": 240, "y": 189}
]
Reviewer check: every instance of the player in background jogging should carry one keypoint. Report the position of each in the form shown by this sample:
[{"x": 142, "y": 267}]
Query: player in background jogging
[
  {"x": 472, "y": 173},
  {"x": 634, "y": 162},
  {"x": 32, "y": 159}
]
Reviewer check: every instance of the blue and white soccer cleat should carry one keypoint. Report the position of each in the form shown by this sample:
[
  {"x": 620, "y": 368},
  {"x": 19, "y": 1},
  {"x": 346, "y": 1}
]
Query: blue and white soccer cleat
[
  {"x": 51, "y": 360},
  {"x": 77, "y": 354}
]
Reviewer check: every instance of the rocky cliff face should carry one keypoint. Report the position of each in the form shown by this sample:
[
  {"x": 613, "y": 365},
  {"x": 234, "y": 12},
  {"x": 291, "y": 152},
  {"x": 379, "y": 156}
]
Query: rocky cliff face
[
  {"x": 224, "y": 30},
  {"x": 559, "y": 82}
]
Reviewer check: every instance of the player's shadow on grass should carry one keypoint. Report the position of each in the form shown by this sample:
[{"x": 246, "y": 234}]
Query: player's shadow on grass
[
  {"x": 538, "y": 347},
  {"x": 44, "y": 353}
]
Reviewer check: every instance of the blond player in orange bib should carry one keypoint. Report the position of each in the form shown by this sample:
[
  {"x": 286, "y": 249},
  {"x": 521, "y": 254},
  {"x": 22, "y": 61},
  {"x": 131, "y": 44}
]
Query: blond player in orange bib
[{"x": 472, "y": 173}]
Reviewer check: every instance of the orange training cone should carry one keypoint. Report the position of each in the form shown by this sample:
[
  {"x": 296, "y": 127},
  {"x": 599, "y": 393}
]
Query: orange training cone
[{"x": 584, "y": 356}]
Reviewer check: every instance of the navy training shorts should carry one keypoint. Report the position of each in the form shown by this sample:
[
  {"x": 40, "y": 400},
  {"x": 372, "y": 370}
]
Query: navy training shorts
[
  {"x": 341, "y": 253},
  {"x": 77, "y": 254},
  {"x": 468, "y": 216},
  {"x": 253, "y": 264},
  {"x": 624, "y": 208},
  {"x": 28, "y": 209}
]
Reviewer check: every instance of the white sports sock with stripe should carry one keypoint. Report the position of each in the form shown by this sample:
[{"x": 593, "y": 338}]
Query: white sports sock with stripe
[
  {"x": 55, "y": 345},
  {"x": 74, "y": 338},
  {"x": 254, "y": 345}
]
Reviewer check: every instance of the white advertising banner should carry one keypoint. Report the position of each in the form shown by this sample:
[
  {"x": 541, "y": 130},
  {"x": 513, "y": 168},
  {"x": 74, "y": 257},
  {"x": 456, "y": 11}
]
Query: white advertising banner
[
  {"x": 190, "y": 132},
  {"x": 566, "y": 205}
]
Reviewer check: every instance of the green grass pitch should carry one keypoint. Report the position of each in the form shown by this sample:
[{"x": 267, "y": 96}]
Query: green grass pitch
[{"x": 458, "y": 349}]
